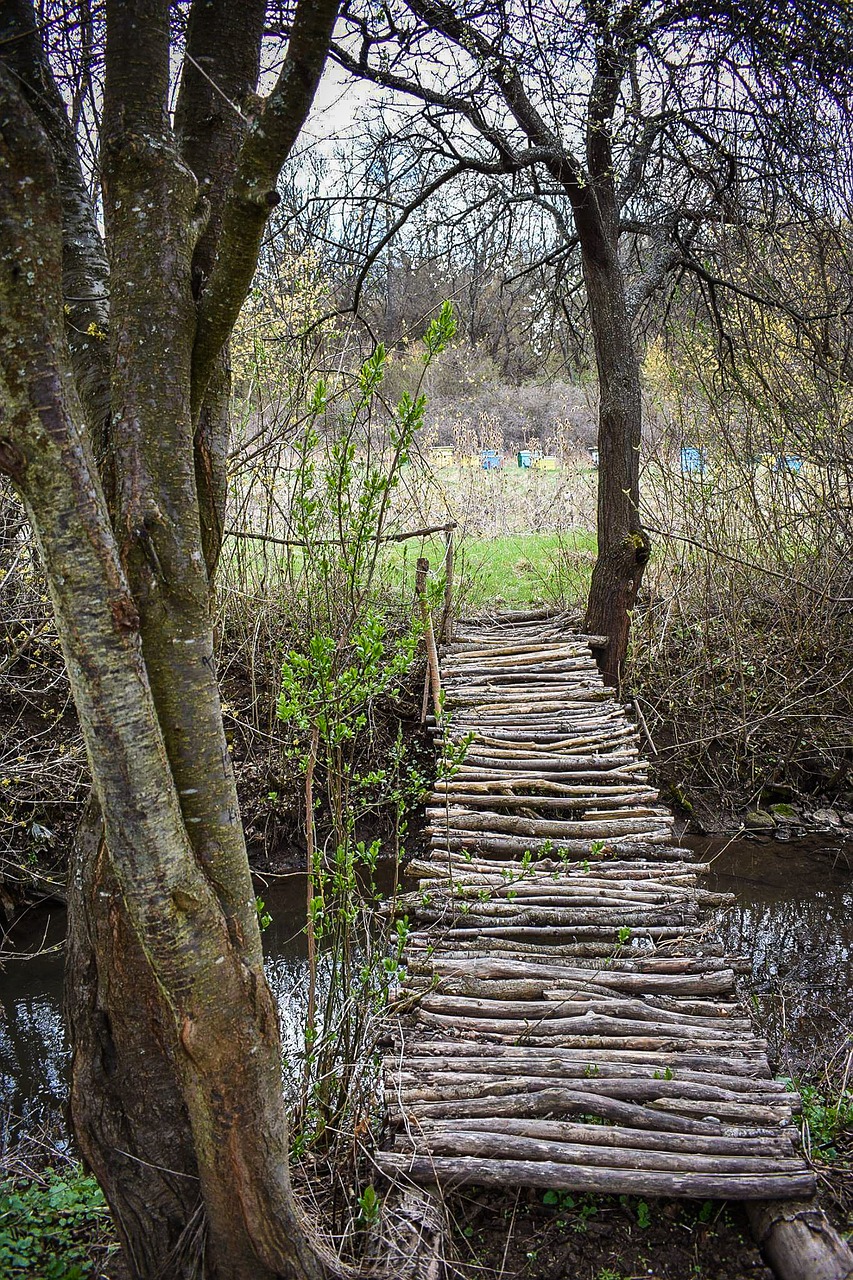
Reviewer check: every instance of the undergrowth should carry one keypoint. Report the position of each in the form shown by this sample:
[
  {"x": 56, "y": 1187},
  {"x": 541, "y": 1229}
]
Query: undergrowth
[
  {"x": 49, "y": 1226},
  {"x": 742, "y": 640}
]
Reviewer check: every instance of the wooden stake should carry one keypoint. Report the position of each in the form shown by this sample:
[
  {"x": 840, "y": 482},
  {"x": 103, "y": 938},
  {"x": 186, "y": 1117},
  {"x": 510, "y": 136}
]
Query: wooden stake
[
  {"x": 446, "y": 630},
  {"x": 429, "y": 634}
]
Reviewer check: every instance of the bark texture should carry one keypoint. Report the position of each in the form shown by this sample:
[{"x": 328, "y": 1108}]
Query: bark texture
[
  {"x": 176, "y": 1085},
  {"x": 799, "y": 1242}
]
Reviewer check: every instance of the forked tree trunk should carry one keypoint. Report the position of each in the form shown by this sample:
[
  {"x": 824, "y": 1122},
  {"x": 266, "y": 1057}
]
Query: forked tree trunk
[{"x": 177, "y": 1062}]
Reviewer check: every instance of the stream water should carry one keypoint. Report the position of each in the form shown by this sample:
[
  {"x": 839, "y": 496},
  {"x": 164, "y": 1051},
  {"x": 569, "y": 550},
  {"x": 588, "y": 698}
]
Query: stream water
[
  {"x": 792, "y": 920},
  {"x": 34, "y": 1055}
]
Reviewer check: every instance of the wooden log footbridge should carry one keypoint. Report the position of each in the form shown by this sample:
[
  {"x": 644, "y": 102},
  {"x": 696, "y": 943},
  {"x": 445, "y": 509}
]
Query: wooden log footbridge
[{"x": 566, "y": 1020}]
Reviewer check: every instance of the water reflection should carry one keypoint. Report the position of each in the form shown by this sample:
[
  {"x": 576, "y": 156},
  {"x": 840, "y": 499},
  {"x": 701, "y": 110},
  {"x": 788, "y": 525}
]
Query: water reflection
[
  {"x": 794, "y": 924},
  {"x": 34, "y": 1054},
  {"x": 793, "y": 921},
  {"x": 33, "y": 1049}
]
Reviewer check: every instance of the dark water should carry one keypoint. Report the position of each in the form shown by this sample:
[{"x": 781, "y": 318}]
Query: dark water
[
  {"x": 34, "y": 1055},
  {"x": 793, "y": 921}
]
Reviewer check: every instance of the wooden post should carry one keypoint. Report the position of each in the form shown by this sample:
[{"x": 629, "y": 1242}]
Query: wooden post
[
  {"x": 445, "y": 628},
  {"x": 429, "y": 634},
  {"x": 310, "y": 1017},
  {"x": 425, "y": 699}
]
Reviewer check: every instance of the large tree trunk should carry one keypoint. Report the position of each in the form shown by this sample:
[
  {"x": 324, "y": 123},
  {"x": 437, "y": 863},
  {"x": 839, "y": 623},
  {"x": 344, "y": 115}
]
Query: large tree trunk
[
  {"x": 623, "y": 545},
  {"x": 212, "y": 1010},
  {"x": 129, "y": 1116},
  {"x": 177, "y": 1085}
]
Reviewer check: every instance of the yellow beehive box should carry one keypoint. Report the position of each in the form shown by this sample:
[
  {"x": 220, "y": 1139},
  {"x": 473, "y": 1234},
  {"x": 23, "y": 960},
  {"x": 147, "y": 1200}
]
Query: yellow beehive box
[
  {"x": 441, "y": 456},
  {"x": 548, "y": 462}
]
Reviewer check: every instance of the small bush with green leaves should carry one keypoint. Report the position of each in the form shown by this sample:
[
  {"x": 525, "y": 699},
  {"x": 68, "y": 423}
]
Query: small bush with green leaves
[
  {"x": 824, "y": 1121},
  {"x": 48, "y": 1226}
]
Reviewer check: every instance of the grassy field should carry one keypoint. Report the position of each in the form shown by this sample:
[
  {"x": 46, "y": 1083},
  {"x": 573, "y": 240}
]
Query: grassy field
[
  {"x": 522, "y": 537},
  {"x": 514, "y": 570}
]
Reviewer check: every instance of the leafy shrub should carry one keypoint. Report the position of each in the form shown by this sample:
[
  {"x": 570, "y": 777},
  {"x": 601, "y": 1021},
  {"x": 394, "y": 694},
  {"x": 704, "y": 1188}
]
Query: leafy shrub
[{"x": 50, "y": 1227}]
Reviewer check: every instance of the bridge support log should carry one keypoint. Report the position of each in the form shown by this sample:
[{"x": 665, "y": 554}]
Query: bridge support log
[{"x": 798, "y": 1242}]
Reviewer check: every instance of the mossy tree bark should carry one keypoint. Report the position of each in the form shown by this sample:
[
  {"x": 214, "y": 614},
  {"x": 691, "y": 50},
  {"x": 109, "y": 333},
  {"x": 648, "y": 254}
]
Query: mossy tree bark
[
  {"x": 176, "y": 1092},
  {"x": 623, "y": 544}
]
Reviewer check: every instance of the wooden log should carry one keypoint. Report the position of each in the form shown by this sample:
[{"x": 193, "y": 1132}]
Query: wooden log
[
  {"x": 546, "y": 736},
  {"x": 543, "y": 735},
  {"x": 509, "y": 676},
  {"x": 464, "y": 819},
  {"x": 445, "y": 788},
  {"x": 526, "y": 659},
  {"x": 609, "y": 916},
  {"x": 502, "y": 1145},
  {"x": 593, "y": 1029},
  {"x": 729, "y": 1010},
  {"x": 593, "y": 1021},
  {"x": 507, "y": 681},
  {"x": 558, "y": 1101},
  {"x": 498, "y": 845},
  {"x": 596, "y": 871},
  {"x": 746, "y": 1105},
  {"x": 717, "y": 982},
  {"x": 620, "y": 1137},
  {"x": 540, "y": 893},
  {"x": 622, "y": 805},
  {"x": 591, "y": 870},
  {"x": 555, "y": 889},
  {"x": 541, "y": 947},
  {"x": 526, "y": 703},
  {"x": 568, "y": 762},
  {"x": 578, "y": 1003},
  {"x": 421, "y": 1070},
  {"x": 460, "y": 650},
  {"x": 752, "y": 1066},
  {"x": 497, "y": 944},
  {"x": 470, "y": 1171},
  {"x": 566, "y": 777},
  {"x": 798, "y": 1241},
  {"x": 618, "y": 926},
  {"x": 519, "y": 895}
]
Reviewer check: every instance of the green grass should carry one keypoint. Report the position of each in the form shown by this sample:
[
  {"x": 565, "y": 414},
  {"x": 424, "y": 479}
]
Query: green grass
[
  {"x": 526, "y": 569},
  {"x": 513, "y": 571}
]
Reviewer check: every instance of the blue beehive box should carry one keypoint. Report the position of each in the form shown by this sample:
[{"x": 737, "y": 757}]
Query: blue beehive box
[
  {"x": 490, "y": 459},
  {"x": 524, "y": 458},
  {"x": 692, "y": 460}
]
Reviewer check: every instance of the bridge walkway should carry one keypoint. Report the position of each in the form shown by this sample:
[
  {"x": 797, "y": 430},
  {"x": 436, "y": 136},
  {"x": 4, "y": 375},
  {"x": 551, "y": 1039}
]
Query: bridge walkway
[{"x": 567, "y": 1020}]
